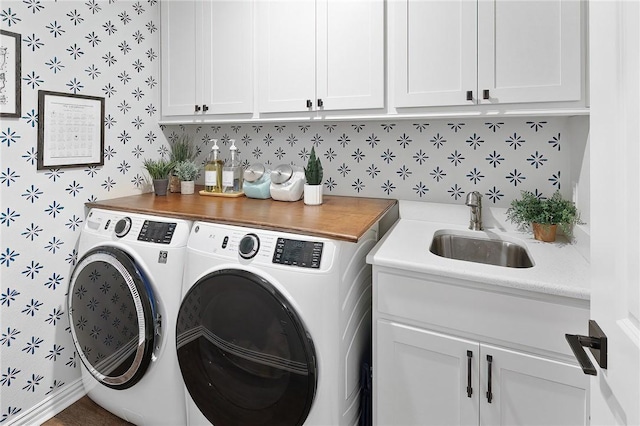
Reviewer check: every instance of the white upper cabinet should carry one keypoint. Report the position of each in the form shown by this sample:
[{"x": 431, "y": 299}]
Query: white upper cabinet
[
  {"x": 447, "y": 52},
  {"x": 433, "y": 51},
  {"x": 286, "y": 55},
  {"x": 529, "y": 51},
  {"x": 320, "y": 55},
  {"x": 207, "y": 57},
  {"x": 350, "y": 54},
  {"x": 179, "y": 54}
]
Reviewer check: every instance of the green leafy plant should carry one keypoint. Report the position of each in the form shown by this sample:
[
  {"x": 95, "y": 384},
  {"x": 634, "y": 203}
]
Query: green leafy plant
[
  {"x": 181, "y": 149},
  {"x": 186, "y": 170},
  {"x": 548, "y": 211},
  {"x": 158, "y": 169},
  {"x": 313, "y": 171}
]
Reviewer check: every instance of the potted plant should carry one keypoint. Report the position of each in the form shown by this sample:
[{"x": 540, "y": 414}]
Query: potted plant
[
  {"x": 186, "y": 171},
  {"x": 313, "y": 176},
  {"x": 544, "y": 215},
  {"x": 159, "y": 170},
  {"x": 180, "y": 150}
]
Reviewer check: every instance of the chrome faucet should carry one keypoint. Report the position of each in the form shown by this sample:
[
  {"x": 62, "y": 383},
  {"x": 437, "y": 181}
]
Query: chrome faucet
[{"x": 474, "y": 200}]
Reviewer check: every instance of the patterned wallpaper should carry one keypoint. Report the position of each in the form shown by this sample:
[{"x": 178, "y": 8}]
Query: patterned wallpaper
[
  {"x": 91, "y": 47},
  {"x": 110, "y": 48},
  {"x": 428, "y": 160}
]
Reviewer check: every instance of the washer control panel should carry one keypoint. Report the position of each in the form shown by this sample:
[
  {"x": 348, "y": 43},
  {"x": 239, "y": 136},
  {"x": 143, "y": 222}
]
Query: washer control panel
[
  {"x": 157, "y": 232},
  {"x": 263, "y": 248},
  {"x": 306, "y": 254}
]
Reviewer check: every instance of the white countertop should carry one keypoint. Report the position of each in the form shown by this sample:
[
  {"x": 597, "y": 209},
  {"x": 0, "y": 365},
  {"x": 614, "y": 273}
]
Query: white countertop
[{"x": 559, "y": 268}]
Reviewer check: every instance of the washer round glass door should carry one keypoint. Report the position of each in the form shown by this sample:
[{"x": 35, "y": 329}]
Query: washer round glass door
[
  {"x": 245, "y": 356},
  {"x": 112, "y": 314}
]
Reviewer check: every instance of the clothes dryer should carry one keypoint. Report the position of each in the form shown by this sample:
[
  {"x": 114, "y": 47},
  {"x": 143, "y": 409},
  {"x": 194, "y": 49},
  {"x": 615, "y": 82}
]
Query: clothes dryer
[
  {"x": 273, "y": 327},
  {"x": 123, "y": 300}
]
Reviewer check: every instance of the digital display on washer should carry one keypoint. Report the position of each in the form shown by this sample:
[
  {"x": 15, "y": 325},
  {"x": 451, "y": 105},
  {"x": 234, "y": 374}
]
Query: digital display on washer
[
  {"x": 305, "y": 254},
  {"x": 157, "y": 232}
]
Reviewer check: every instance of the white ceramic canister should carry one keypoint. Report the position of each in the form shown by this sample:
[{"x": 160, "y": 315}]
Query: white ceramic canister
[
  {"x": 257, "y": 181},
  {"x": 287, "y": 183}
]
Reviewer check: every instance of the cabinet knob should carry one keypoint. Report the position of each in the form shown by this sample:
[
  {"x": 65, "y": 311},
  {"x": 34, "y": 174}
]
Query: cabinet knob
[
  {"x": 197, "y": 108},
  {"x": 309, "y": 103},
  {"x": 469, "y": 95},
  {"x": 485, "y": 94},
  {"x": 320, "y": 103},
  {"x": 205, "y": 108}
]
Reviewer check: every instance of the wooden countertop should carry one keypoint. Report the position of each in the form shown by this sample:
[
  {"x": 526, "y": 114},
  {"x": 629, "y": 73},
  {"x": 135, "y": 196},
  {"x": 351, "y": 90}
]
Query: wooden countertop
[{"x": 341, "y": 218}]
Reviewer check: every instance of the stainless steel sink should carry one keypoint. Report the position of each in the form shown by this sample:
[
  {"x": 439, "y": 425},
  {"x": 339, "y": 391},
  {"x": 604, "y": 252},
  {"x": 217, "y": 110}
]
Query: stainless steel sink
[{"x": 480, "y": 250}]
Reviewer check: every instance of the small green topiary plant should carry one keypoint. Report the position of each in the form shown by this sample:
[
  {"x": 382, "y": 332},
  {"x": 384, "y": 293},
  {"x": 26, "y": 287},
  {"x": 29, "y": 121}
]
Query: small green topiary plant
[
  {"x": 313, "y": 171},
  {"x": 531, "y": 209},
  {"x": 186, "y": 170}
]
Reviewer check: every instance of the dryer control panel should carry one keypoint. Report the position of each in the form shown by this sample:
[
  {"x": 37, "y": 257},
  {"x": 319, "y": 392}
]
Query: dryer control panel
[
  {"x": 157, "y": 232},
  {"x": 305, "y": 254}
]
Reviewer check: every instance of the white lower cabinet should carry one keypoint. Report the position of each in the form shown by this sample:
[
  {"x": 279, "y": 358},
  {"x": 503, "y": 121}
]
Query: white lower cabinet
[
  {"x": 427, "y": 378},
  {"x": 506, "y": 366},
  {"x": 530, "y": 390},
  {"x": 421, "y": 377}
]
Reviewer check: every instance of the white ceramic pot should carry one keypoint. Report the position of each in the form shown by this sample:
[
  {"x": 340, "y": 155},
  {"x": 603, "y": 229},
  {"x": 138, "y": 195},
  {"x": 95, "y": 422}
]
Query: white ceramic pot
[
  {"x": 187, "y": 186},
  {"x": 312, "y": 194}
]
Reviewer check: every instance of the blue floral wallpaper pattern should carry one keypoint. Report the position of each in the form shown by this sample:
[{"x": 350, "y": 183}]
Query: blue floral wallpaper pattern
[
  {"x": 100, "y": 48},
  {"x": 428, "y": 160},
  {"x": 110, "y": 48}
]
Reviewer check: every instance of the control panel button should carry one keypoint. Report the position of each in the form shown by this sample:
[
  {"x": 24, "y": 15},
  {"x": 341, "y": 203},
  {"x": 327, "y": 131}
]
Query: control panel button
[
  {"x": 249, "y": 246},
  {"x": 122, "y": 227}
]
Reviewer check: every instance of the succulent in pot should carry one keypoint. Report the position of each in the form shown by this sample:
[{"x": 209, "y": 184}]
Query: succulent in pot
[
  {"x": 181, "y": 150},
  {"x": 543, "y": 215},
  {"x": 159, "y": 170},
  {"x": 313, "y": 171},
  {"x": 313, "y": 177},
  {"x": 186, "y": 171}
]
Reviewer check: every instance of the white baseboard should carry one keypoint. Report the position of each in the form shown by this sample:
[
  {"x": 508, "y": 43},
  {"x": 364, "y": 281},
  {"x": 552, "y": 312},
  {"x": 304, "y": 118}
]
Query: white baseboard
[{"x": 51, "y": 406}]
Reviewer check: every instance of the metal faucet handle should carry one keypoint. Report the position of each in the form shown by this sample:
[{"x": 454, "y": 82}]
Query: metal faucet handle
[{"x": 473, "y": 199}]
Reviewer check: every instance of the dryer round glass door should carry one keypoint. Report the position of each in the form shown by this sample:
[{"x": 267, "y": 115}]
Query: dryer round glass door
[
  {"x": 112, "y": 312},
  {"x": 245, "y": 355}
]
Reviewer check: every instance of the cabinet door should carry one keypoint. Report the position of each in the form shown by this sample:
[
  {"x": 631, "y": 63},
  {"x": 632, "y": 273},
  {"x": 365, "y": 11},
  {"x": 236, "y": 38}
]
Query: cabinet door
[
  {"x": 420, "y": 378},
  {"x": 227, "y": 84},
  {"x": 529, "y": 51},
  {"x": 180, "y": 44},
  {"x": 530, "y": 390},
  {"x": 286, "y": 55},
  {"x": 350, "y": 55},
  {"x": 433, "y": 52}
]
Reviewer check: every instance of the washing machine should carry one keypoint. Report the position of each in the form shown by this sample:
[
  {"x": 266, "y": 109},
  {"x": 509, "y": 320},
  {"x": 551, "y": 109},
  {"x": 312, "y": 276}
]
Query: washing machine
[
  {"x": 273, "y": 327},
  {"x": 123, "y": 300}
]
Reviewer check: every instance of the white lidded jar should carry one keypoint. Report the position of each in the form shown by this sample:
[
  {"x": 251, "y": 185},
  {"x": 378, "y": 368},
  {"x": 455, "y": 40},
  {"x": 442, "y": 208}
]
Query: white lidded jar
[{"x": 287, "y": 183}]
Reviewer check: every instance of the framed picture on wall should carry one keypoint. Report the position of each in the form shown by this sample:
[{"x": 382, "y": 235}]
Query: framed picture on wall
[
  {"x": 70, "y": 130},
  {"x": 10, "y": 74}
]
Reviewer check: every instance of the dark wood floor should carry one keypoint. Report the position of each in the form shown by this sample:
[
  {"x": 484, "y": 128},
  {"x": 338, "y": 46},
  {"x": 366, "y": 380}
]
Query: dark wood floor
[{"x": 85, "y": 412}]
